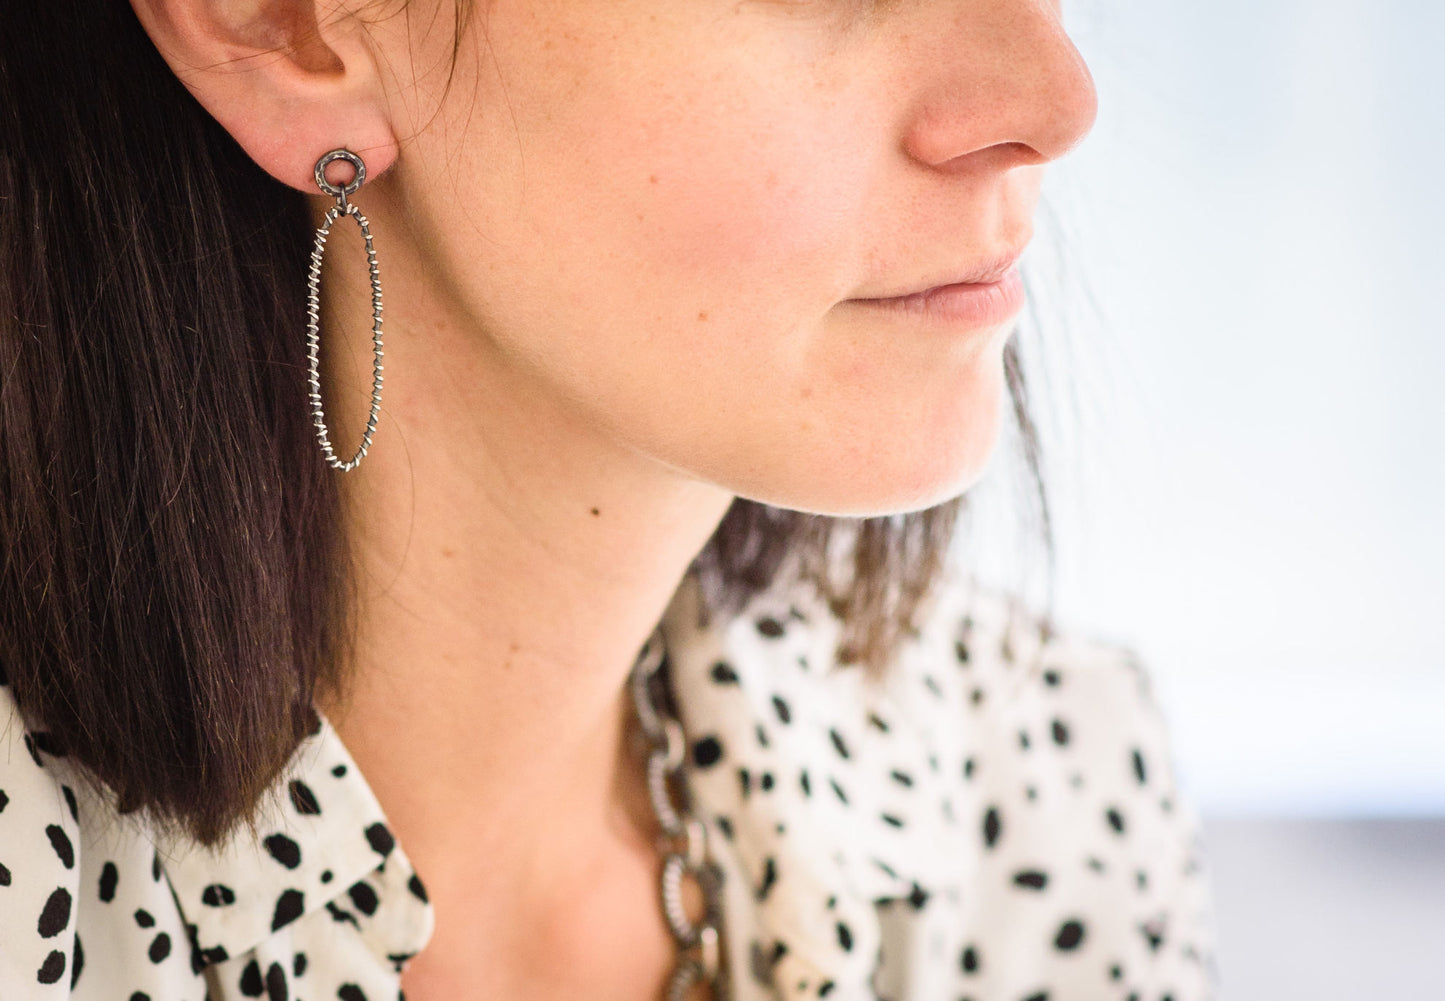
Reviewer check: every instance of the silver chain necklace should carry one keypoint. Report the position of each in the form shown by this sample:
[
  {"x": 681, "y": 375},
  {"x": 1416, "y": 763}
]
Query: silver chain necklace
[{"x": 683, "y": 844}]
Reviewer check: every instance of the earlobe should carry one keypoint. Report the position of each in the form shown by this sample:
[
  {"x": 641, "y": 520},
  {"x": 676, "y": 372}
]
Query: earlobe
[{"x": 287, "y": 87}]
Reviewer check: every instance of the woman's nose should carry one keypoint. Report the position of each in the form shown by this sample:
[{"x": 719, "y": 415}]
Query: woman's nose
[{"x": 994, "y": 72}]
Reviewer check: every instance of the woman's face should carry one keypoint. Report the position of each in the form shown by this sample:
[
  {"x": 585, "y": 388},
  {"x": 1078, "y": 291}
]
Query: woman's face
[{"x": 666, "y": 215}]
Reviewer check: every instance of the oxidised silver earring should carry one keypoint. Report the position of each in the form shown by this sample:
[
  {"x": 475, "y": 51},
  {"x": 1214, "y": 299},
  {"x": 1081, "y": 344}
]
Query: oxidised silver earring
[{"x": 313, "y": 335}]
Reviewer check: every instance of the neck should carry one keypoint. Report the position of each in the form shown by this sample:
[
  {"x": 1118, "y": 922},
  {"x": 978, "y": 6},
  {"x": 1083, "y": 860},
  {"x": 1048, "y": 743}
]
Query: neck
[{"x": 511, "y": 559}]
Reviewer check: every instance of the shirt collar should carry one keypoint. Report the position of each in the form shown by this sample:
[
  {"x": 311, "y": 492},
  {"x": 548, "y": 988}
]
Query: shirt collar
[{"x": 320, "y": 840}]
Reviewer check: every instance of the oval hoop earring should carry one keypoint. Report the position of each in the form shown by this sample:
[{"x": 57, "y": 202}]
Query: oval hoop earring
[{"x": 313, "y": 300}]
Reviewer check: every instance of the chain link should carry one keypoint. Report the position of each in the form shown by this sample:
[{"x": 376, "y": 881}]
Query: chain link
[{"x": 684, "y": 844}]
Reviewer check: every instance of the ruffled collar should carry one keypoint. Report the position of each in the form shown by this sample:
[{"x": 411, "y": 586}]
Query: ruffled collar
[{"x": 322, "y": 844}]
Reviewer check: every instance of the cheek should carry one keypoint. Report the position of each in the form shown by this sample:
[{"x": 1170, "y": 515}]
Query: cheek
[
  {"x": 666, "y": 241},
  {"x": 767, "y": 198},
  {"x": 702, "y": 179}
]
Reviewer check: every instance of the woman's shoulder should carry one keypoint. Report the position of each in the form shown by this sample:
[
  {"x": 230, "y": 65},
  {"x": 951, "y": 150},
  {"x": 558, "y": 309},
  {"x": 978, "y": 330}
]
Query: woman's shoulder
[
  {"x": 39, "y": 835},
  {"x": 95, "y": 903},
  {"x": 39, "y": 805},
  {"x": 84, "y": 906},
  {"x": 972, "y": 645},
  {"x": 1006, "y": 655},
  {"x": 998, "y": 634},
  {"x": 1002, "y": 770}
]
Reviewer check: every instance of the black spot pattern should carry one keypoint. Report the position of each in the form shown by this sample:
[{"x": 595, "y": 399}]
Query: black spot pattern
[
  {"x": 52, "y": 969},
  {"x": 251, "y": 984},
  {"x": 289, "y": 907},
  {"x": 303, "y": 800},
  {"x": 1140, "y": 773},
  {"x": 56, "y": 914},
  {"x": 218, "y": 895},
  {"x": 989, "y": 761},
  {"x": 284, "y": 850},
  {"x": 784, "y": 712},
  {"x": 61, "y": 844},
  {"x": 992, "y": 826},
  {"x": 1071, "y": 933},
  {"x": 1116, "y": 820},
  {"x": 341, "y": 915},
  {"x": 1031, "y": 879},
  {"x": 30, "y": 748},
  {"x": 276, "y": 989},
  {"x": 707, "y": 752},
  {"x": 77, "y": 963},
  {"x": 380, "y": 839},
  {"x": 770, "y": 877},
  {"x": 363, "y": 898}
]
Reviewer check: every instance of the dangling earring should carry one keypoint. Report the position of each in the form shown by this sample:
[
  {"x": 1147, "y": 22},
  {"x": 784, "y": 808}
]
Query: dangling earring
[{"x": 313, "y": 336}]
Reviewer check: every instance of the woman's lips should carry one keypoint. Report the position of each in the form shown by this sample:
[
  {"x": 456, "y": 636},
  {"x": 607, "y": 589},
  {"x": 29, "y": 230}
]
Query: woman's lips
[{"x": 968, "y": 305}]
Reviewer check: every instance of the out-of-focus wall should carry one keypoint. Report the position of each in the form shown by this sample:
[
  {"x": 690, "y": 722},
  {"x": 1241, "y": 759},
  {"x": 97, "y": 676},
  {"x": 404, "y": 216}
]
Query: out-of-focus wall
[{"x": 1257, "y": 496}]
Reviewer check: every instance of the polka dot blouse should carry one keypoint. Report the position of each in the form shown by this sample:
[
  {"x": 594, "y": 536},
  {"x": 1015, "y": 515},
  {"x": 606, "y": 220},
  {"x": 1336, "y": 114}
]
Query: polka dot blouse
[{"x": 996, "y": 820}]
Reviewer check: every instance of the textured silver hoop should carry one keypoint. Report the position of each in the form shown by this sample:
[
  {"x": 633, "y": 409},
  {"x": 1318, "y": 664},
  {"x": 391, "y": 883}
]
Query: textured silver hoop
[{"x": 313, "y": 301}]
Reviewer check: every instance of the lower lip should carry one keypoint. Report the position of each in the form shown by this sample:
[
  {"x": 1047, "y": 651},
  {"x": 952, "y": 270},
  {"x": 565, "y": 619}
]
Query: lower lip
[{"x": 981, "y": 305}]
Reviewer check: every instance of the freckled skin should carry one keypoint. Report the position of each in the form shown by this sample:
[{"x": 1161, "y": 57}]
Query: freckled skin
[{"x": 657, "y": 212}]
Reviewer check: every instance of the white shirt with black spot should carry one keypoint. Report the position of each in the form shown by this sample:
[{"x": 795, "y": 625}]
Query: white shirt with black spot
[{"x": 997, "y": 820}]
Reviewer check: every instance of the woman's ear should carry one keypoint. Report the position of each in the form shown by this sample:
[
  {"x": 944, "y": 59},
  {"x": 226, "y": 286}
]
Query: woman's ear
[{"x": 287, "y": 87}]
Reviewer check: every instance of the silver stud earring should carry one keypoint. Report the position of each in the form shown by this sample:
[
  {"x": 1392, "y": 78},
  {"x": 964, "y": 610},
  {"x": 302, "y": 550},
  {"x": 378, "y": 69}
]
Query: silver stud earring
[{"x": 313, "y": 335}]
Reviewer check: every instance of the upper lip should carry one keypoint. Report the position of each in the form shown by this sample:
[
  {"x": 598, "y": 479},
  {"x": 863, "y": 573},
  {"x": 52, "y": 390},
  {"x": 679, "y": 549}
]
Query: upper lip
[{"x": 981, "y": 272}]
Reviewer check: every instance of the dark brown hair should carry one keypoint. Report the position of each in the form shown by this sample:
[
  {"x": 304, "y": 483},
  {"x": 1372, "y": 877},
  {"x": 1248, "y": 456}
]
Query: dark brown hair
[{"x": 173, "y": 584}]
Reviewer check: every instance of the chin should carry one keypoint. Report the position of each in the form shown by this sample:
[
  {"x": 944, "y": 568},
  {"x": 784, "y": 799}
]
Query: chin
[
  {"x": 885, "y": 476},
  {"x": 892, "y": 490}
]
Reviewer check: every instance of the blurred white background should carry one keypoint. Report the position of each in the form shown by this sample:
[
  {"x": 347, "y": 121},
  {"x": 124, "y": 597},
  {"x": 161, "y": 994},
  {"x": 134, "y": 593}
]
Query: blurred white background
[
  {"x": 1258, "y": 495},
  {"x": 1244, "y": 283}
]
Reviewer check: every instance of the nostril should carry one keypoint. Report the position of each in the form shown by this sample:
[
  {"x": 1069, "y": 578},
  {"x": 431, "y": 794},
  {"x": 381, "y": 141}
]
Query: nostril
[
  {"x": 1013, "y": 85},
  {"x": 996, "y": 158}
]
